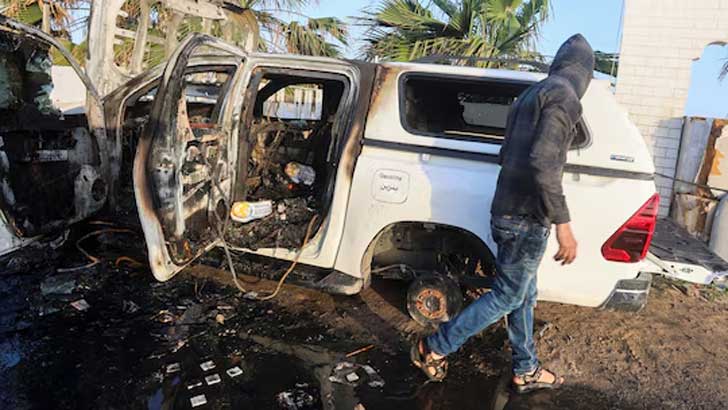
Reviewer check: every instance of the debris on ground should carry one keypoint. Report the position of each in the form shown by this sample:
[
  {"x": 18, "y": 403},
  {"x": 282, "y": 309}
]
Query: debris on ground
[
  {"x": 545, "y": 329},
  {"x": 208, "y": 365},
  {"x": 173, "y": 368},
  {"x": 296, "y": 399},
  {"x": 358, "y": 351},
  {"x": 349, "y": 373},
  {"x": 129, "y": 307},
  {"x": 165, "y": 316},
  {"x": 198, "y": 400},
  {"x": 234, "y": 371},
  {"x": 80, "y": 305},
  {"x": 213, "y": 379},
  {"x": 147, "y": 341},
  {"x": 194, "y": 385},
  {"x": 63, "y": 284},
  {"x": 220, "y": 319}
]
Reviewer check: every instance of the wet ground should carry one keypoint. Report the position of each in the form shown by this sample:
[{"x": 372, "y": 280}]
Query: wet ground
[{"x": 138, "y": 343}]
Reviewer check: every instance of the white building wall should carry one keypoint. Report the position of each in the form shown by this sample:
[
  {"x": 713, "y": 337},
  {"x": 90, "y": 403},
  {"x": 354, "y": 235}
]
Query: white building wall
[{"x": 660, "y": 40}]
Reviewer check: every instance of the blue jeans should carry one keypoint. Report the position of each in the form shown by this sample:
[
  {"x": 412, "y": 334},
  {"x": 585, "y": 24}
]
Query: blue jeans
[{"x": 521, "y": 245}]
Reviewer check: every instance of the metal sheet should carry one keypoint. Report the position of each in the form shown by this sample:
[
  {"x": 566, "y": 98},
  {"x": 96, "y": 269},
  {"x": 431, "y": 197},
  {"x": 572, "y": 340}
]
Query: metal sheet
[{"x": 675, "y": 253}]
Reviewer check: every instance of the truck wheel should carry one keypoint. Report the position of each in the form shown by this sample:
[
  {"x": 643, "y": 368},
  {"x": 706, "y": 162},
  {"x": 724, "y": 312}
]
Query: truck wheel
[{"x": 433, "y": 299}]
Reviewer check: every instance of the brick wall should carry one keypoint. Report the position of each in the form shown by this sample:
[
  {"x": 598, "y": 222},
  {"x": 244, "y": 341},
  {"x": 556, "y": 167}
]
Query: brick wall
[{"x": 660, "y": 40}]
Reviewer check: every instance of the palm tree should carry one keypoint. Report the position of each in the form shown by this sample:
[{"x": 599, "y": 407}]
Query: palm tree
[
  {"x": 321, "y": 36},
  {"x": 607, "y": 63},
  {"x": 256, "y": 20},
  {"x": 405, "y": 30},
  {"x": 312, "y": 38},
  {"x": 31, "y": 11}
]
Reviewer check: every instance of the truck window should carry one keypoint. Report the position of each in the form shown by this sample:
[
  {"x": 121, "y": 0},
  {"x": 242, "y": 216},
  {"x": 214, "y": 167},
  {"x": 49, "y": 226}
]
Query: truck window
[
  {"x": 299, "y": 101},
  {"x": 462, "y": 108}
]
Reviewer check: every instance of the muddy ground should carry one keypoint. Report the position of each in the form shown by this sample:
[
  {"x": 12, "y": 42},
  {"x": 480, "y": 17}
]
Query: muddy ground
[{"x": 140, "y": 343}]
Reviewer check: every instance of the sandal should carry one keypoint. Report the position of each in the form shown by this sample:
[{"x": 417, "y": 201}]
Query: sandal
[
  {"x": 434, "y": 369},
  {"x": 531, "y": 382}
]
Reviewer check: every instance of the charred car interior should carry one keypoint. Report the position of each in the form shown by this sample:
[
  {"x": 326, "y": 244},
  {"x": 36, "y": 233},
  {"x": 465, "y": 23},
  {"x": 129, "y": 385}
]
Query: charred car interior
[
  {"x": 202, "y": 89},
  {"x": 189, "y": 161},
  {"x": 49, "y": 161},
  {"x": 288, "y": 157}
]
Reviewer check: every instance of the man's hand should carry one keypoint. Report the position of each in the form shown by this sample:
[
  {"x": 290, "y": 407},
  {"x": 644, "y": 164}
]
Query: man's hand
[{"x": 567, "y": 244}]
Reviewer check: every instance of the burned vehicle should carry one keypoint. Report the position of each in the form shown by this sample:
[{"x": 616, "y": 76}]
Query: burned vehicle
[
  {"x": 355, "y": 170},
  {"x": 53, "y": 170}
]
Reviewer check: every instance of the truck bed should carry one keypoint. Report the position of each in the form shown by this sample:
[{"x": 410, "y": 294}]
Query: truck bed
[{"x": 678, "y": 254}]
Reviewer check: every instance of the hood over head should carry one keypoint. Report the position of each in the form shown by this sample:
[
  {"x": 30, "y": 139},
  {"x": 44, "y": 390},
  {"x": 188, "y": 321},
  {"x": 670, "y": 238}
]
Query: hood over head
[{"x": 575, "y": 62}]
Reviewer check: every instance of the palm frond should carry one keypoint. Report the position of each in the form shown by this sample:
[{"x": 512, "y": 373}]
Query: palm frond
[
  {"x": 313, "y": 37},
  {"x": 401, "y": 30},
  {"x": 330, "y": 25},
  {"x": 275, "y": 4},
  {"x": 607, "y": 63}
]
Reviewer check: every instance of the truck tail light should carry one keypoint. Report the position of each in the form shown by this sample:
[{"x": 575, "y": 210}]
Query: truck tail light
[{"x": 632, "y": 240}]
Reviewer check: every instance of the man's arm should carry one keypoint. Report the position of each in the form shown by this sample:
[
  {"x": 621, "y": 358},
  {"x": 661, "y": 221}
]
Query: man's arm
[{"x": 553, "y": 137}]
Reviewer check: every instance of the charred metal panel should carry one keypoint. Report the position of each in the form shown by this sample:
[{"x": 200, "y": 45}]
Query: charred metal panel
[
  {"x": 353, "y": 141},
  {"x": 52, "y": 169},
  {"x": 176, "y": 208}
]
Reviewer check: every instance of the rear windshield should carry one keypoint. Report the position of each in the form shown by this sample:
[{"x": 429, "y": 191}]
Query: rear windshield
[{"x": 460, "y": 108}]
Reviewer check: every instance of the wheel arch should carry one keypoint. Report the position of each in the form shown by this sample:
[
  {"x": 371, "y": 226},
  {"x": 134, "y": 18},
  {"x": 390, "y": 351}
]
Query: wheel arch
[{"x": 452, "y": 235}]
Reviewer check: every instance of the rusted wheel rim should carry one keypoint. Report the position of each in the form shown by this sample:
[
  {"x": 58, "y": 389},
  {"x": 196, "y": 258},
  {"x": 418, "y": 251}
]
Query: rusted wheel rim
[
  {"x": 433, "y": 299},
  {"x": 431, "y": 303}
]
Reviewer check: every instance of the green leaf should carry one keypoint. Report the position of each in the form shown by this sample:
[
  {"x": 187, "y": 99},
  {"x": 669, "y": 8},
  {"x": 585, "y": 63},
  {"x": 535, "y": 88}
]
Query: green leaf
[{"x": 403, "y": 30}]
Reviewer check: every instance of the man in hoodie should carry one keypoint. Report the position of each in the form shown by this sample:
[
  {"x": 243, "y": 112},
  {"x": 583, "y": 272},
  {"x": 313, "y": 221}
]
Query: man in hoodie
[{"x": 528, "y": 200}]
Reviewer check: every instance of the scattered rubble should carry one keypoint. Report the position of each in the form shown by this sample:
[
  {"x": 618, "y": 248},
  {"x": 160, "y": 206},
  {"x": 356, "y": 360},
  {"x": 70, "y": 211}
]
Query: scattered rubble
[
  {"x": 149, "y": 341},
  {"x": 208, "y": 365},
  {"x": 296, "y": 399},
  {"x": 63, "y": 284},
  {"x": 348, "y": 373},
  {"x": 234, "y": 371},
  {"x": 198, "y": 400},
  {"x": 130, "y": 307},
  {"x": 80, "y": 305},
  {"x": 213, "y": 379}
]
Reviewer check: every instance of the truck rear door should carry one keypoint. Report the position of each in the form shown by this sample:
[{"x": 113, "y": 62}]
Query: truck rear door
[{"x": 677, "y": 254}]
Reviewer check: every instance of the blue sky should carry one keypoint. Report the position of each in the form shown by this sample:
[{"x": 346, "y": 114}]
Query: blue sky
[
  {"x": 600, "y": 23},
  {"x": 708, "y": 97}
]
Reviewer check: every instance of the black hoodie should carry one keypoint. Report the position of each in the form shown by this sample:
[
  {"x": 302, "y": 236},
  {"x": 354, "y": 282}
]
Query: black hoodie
[{"x": 540, "y": 128}]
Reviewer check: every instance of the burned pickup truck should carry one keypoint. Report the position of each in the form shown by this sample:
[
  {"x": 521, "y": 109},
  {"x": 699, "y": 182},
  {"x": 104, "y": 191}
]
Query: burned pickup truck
[{"x": 355, "y": 170}]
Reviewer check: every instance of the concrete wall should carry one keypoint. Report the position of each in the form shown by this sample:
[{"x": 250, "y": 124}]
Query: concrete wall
[{"x": 660, "y": 40}]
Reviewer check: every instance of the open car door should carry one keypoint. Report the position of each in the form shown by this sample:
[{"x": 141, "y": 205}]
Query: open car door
[{"x": 184, "y": 166}]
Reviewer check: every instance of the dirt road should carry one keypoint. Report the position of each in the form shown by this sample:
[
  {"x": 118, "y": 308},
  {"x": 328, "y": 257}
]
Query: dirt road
[{"x": 140, "y": 344}]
